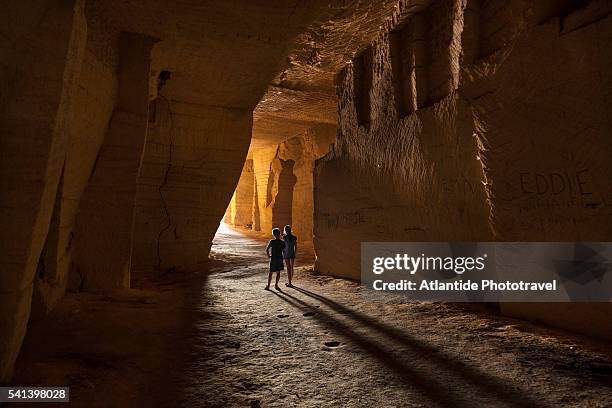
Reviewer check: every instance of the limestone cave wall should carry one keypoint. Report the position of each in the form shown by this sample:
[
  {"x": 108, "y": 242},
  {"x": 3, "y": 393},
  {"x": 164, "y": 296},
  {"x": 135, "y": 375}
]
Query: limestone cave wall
[
  {"x": 105, "y": 217},
  {"x": 41, "y": 47},
  {"x": 77, "y": 79},
  {"x": 124, "y": 129},
  {"x": 505, "y": 137},
  {"x": 94, "y": 99},
  {"x": 192, "y": 162},
  {"x": 304, "y": 151},
  {"x": 401, "y": 173},
  {"x": 542, "y": 106},
  {"x": 266, "y": 167},
  {"x": 283, "y": 183},
  {"x": 240, "y": 210}
]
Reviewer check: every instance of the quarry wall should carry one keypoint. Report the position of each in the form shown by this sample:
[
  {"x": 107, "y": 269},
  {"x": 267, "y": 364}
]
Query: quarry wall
[
  {"x": 283, "y": 182},
  {"x": 508, "y": 142},
  {"x": 105, "y": 217},
  {"x": 192, "y": 162},
  {"x": 93, "y": 103},
  {"x": 74, "y": 113},
  {"x": 467, "y": 120},
  {"x": 240, "y": 210},
  {"x": 553, "y": 183},
  {"x": 42, "y": 49}
]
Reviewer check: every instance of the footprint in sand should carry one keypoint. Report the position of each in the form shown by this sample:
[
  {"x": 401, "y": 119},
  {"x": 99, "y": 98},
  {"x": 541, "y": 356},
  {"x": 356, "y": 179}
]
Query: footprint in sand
[{"x": 330, "y": 345}]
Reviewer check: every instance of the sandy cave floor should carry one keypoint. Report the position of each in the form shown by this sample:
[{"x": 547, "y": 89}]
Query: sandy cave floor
[{"x": 222, "y": 341}]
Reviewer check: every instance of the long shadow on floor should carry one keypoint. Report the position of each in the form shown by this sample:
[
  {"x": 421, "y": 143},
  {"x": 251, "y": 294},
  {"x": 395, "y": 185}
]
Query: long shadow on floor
[{"x": 435, "y": 390}]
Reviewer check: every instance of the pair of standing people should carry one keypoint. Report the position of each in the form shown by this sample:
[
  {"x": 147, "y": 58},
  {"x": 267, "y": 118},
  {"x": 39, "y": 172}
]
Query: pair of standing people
[{"x": 281, "y": 249}]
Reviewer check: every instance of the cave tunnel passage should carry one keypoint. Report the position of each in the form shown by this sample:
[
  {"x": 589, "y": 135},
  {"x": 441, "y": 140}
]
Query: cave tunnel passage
[{"x": 127, "y": 129}]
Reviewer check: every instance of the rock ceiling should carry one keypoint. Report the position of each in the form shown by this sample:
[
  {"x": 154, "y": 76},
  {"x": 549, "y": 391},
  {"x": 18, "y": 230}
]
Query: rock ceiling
[{"x": 229, "y": 53}]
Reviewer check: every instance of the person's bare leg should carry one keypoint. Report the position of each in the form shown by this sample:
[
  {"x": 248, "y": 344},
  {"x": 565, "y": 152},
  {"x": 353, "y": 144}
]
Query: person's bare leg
[
  {"x": 291, "y": 262},
  {"x": 269, "y": 280},
  {"x": 289, "y": 271},
  {"x": 277, "y": 278}
]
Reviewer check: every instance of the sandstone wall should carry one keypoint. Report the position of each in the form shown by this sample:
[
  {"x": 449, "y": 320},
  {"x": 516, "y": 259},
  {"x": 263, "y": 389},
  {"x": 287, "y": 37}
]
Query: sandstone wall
[
  {"x": 73, "y": 126},
  {"x": 284, "y": 181},
  {"x": 304, "y": 150},
  {"x": 418, "y": 181},
  {"x": 93, "y": 103},
  {"x": 395, "y": 176},
  {"x": 192, "y": 162},
  {"x": 514, "y": 148},
  {"x": 105, "y": 217},
  {"x": 542, "y": 108},
  {"x": 41, "y": 50},
  {"x": 241, "y": 204},
  {"x": 266, "y": 167}
]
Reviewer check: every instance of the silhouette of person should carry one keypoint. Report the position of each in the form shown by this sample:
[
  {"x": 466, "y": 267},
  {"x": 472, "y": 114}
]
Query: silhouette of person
[
  {"x": 289, "y": 252},
  {"x": 274, "y": 250}
]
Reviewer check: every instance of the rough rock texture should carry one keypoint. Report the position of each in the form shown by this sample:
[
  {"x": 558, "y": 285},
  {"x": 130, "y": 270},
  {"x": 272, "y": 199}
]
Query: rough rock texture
[
  {"x": 465, "y": 120},
  {"x": 92, "y": 107},
  {"x": 394, "y": 178},
  {"x": 284, "y": 113},
  {"x": 514, "y": 146},
  {"x": 552, "y": 87},
  {"x": 222, "y": 57},
  {"x": 240, "y": 210},
  {"x": 191, "y": 164},
  {"x": 284, "y": 181},
  {"x": 266, "y": 167},
  {"x": 303, "y": 92},
  {"x": 106, "y": 215},
  {"x": 42, "y": 46},
  {"x": 304, "y": 151}
]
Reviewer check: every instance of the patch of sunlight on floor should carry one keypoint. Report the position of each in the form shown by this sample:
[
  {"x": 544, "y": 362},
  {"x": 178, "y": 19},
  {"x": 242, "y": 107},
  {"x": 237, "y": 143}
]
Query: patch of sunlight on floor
[{"x": 224, "y": 229}]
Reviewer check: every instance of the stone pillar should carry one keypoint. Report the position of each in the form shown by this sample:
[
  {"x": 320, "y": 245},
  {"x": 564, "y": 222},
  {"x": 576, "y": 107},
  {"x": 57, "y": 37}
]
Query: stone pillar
[
  {"x": 192, "y": 163},
  {"x": 255, "y": 210},
  {"x": 266, "y": 167},
  {"x": 241, "y": 205},
  {"x": 284, "y": 181},
  {"x": 103, "y": 243},
  {"x": 41, "y": 49},
  {"x": 93, "y": 104},
  {"x": 283, "y": 200},
  {"x": 314, "y": 144}
]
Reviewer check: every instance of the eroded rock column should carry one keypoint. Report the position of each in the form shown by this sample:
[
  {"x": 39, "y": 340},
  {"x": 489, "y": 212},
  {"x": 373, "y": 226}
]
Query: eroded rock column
[
  {"x": 193, "y": 159},
  {"x": 105, "y": 218},
  {"x": 266, "y": 167},
  {"x": 315, "y": 143},
  {"x": 284, "y": 181},
  {"x": 241, "y": 205},
  {"x": 92, "y": 108},
  {"x": 41, "y": 47}
]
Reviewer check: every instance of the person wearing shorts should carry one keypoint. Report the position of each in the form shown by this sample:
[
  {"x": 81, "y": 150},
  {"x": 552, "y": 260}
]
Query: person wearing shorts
[
  {"x": 274, "y": 250},
  {"x": 289, "y": 252}
]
